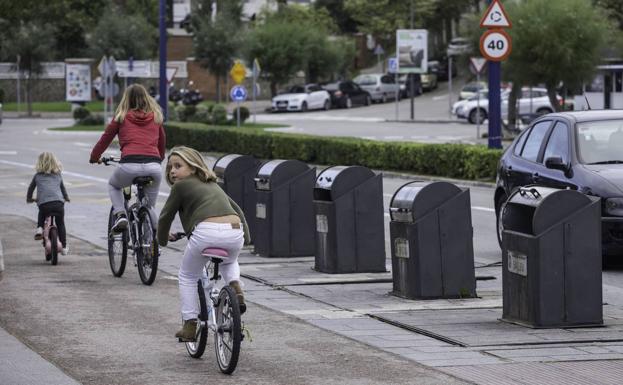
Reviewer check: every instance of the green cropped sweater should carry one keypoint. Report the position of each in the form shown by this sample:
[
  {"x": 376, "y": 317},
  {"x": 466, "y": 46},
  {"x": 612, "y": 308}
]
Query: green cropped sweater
[{"x": 195, "y": 201}]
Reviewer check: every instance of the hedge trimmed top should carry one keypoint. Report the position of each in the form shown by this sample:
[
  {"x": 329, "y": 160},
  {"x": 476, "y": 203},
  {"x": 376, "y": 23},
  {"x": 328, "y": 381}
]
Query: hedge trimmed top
[{"x": 462, "y": 161}]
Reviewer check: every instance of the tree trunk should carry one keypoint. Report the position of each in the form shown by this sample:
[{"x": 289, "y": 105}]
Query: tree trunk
[
  {"x": 273, "y": 88},
  {"x": 29, "y": 93},
  {"x": 218, "y": 88},
  {"x": 551, "y": 94},
  {"x": 512, "y": 106}
]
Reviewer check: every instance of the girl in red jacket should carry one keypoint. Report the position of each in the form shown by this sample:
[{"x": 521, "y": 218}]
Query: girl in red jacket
[{"x": 138, "y": 123}]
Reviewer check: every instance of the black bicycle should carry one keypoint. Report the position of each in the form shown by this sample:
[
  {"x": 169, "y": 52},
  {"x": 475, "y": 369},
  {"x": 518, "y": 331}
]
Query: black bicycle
[{"x": 140, "y": 233}]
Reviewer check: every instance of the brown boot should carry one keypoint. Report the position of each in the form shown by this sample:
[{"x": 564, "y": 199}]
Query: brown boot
[
  {"x": 188, "y": 332},
  {"x": 236, "y": 286}
]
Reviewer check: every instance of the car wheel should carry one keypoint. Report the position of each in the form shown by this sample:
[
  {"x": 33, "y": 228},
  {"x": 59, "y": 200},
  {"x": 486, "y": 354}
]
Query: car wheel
[
  {"x": 543, "y": 111},
  {"x": 304, "y": 107},
  {"x": 499, "y": 212},
  {"x": 348, "y": 103},
  {"x": 368, "y": 100},
  {"x": 327, "y": 105},
  {"x": 474, "y": 117}
]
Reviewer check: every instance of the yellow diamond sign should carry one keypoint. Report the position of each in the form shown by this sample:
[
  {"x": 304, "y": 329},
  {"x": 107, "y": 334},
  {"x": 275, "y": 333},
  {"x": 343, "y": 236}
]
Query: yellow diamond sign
[{"x": 238, "y": 72}]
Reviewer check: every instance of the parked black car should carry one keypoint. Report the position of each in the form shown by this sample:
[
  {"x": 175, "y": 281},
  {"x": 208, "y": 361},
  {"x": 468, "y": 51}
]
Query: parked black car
[
  {"x": 443, "y": 69},
  {"x": 580, "y": 150},
  {"x": 405, "y": 84},
  {"x": 345, "y": 94}
]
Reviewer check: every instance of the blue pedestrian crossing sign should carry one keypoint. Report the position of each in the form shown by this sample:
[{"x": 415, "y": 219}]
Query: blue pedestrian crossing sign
[
  {"x": 393, "y": 65},
  {"x": 238, "y": 93}
]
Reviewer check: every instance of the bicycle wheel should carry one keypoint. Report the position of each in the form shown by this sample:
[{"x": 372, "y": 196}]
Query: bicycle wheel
[
  {"x": 196, "y": 349},
  {"x": 228, "y": 330},
  {"x": 117, "y": 248},
  {"x": 53, "y": 236},
  {"x": 147, "y": 252}
]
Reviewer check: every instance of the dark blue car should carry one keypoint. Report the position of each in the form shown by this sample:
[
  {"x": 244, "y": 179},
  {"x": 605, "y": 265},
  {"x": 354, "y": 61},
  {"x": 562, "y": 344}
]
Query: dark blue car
[{"x": 580, "y": 150}]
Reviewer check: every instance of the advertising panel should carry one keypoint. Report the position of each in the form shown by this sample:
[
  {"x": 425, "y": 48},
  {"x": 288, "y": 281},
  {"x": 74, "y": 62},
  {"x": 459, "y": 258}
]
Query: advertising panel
[
  {"x": 78, "y": 83},
  {"x": 412, "y": 48}
]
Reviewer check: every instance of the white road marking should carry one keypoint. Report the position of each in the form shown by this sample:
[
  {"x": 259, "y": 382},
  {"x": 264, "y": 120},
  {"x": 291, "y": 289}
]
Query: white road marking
[
  {"x": 70, "y": 173},
  {"x": 8, "y": 152},
  {"x": 440, "y": 97}
]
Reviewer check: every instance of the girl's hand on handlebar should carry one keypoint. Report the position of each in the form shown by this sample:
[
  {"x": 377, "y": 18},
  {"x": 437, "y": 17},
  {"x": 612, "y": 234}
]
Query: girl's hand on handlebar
[
  {"x": 176, "y": 236},
  {"x": 30, "y": 200}
]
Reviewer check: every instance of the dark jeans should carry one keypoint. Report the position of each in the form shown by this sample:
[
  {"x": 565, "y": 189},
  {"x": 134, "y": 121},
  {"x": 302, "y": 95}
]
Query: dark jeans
[{"x": 57, "y": 209}]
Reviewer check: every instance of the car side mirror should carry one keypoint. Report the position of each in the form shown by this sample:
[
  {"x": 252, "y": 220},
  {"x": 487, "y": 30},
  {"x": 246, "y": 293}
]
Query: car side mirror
[{"x": 556, "y": 163}]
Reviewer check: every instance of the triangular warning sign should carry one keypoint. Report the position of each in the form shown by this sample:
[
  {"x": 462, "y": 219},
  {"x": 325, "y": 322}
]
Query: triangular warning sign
[
  {"x": 478, "y": 63},
  {"x": 495, "y": 16}
]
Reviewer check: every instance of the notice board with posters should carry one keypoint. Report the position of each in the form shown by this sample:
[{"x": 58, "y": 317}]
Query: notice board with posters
[
  {"x": 412, "y": 50},
  {"x": 78, "y": 82}
]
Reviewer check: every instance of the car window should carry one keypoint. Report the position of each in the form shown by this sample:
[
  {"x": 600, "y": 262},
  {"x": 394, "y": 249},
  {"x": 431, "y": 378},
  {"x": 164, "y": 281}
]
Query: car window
[
  {"x": 313, "y": 88},
  {"x": 387, "y": 79},
  {"x": 535, "y": 139},
  {"x": 600, "y": 141},
  {"x": 558, "y": 143},
  {"x": 365, "y": 80},
  {"x": 520, "y": 142},
  {"x": 297, "y": 90},
  {"x": 346, "y": 86}
]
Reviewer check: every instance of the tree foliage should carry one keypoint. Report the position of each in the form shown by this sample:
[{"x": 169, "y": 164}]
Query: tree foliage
[
  {"x": 217, "y": 37},
  {"x": 554, "y": 42},
  {"x": 123, "y": 36},
  {"x": 32, "y": 43},
  {"x": 337, "y": 11}
]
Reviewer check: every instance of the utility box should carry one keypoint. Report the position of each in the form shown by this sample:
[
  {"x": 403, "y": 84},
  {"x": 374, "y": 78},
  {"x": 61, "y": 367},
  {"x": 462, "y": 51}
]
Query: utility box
[
  {"x": 431, "y": 241},
  {"x": 551, "y": 258},
  {"x": 284, "y": 210},
  {"x": 350, "y": 233},
  {"x": 235, "y": 175}
]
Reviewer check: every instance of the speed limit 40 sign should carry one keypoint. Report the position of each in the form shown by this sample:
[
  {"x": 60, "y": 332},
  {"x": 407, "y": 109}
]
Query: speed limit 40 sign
[{"x": 495, "y": 45}]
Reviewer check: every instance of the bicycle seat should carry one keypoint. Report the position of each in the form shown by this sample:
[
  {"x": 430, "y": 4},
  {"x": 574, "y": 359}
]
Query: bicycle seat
[
  {"x": 142, "y": 180},
  {"x": 215, "y": 253}
]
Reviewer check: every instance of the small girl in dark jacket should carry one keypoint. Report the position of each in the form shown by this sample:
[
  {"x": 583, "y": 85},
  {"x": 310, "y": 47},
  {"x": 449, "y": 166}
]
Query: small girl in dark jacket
[{"x": 51, "y": 195}]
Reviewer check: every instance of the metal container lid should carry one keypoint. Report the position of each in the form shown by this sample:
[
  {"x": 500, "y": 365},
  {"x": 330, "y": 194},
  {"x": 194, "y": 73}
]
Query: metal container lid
[
  {"x": 279, "y": 171},
  {"x": 342, "y": 179},
  {"x": 415, "y": 199},
  {"x": 233, "y": 165},
  {"x": 549, "y": 205}
]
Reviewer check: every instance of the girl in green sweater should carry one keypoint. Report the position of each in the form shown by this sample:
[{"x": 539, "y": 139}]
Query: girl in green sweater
[{"x": 211, "y": 218}]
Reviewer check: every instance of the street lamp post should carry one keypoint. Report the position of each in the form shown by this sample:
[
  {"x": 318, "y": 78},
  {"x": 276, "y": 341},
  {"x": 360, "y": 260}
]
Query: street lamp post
[{"x": 163, "y": 57}]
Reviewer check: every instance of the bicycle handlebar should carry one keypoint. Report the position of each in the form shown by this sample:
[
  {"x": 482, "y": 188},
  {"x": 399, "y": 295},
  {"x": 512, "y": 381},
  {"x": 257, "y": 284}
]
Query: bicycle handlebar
[
  {"x": 109, "y": 159},
  {"x": 178, "y": 236}
]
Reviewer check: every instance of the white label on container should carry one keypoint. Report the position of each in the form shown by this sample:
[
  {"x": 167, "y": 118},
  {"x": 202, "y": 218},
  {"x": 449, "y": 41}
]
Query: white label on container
[
  {"x": 518, "y": 263},
  {"x": 401, "y": 247},
  {"x": 322, "y": 224},
  {"x": 260, "y": 211}
]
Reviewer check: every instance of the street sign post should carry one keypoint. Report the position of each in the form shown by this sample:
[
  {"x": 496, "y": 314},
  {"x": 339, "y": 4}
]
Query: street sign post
[
  {"x": 495, "y": 45},
  {"x": 238, "y": 94},
  {"x": 478, "y": 63}
]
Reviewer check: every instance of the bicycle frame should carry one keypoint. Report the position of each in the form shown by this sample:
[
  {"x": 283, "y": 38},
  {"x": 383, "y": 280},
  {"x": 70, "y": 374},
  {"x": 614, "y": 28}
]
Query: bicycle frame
[
  {"x": 211, "y": 290},
  {"x": 141, "y": 200},
  {"x": 47, "y": 243}
]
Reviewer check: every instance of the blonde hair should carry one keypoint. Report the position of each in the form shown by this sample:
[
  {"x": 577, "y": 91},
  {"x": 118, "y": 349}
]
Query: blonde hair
[
  {"x": 48, "y": 163},
  {"x": 137, "y": 98},
  {"x": 194, "y": 159}
]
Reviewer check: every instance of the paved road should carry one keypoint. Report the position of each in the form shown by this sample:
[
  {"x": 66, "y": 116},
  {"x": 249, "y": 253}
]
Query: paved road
[{"x": 102, "y": 330}]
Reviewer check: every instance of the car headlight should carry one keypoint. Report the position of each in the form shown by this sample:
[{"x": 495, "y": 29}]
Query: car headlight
[{"x": 614, "y": 206}]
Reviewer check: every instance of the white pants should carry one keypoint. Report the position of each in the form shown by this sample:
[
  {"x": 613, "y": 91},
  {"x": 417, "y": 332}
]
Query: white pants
[{"x": 207, "y": 234}]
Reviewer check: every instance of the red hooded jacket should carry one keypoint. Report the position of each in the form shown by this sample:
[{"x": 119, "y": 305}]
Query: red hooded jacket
[{"x": 138, "y": 135}]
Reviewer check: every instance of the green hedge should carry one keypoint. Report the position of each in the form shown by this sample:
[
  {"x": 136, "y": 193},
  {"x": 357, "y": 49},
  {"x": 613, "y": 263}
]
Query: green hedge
[{"x": 461, "y": 161}]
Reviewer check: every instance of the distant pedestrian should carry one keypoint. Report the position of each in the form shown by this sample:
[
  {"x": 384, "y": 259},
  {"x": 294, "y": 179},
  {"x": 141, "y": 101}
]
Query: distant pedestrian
[
  {"x": 211, "y": 219},
  {"x": 51, "y": 195},
  {"x": 138, "y": 123}
]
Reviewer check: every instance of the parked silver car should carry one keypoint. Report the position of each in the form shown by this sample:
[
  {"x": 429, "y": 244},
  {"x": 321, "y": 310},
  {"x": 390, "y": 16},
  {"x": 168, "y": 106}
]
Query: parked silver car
[
  {"x": 302, "y": 98},
  {"x": 380, "y": 86}
]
